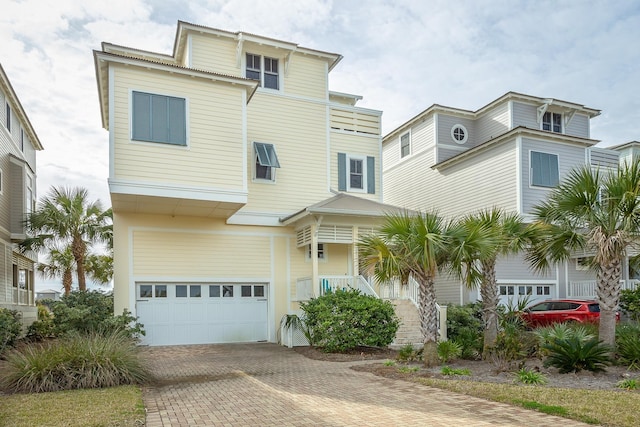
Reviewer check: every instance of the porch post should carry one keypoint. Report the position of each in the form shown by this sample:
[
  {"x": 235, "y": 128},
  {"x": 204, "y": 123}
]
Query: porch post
[
  {"x": 354, "y": 248},
  {"x": 315, "y": 279}
]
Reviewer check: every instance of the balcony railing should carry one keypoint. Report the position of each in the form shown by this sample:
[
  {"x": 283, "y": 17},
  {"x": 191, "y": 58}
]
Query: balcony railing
[{"x": 587, "y": 288}]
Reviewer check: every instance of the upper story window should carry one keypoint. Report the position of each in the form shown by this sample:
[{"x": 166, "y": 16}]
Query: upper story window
[
  {"x": 552, "y": 122},
  {"x": 266, "y": 161},
  {"x": 264, "y": 70},
  {"x": 356, "y": 173},
  {"x": 8, "y": 117},
  {"x": 544, "y": 169},
  {"x": 159, "y": 118},
  {"x": 459, "y": 134},
  {"x": 405, "y": 145}
]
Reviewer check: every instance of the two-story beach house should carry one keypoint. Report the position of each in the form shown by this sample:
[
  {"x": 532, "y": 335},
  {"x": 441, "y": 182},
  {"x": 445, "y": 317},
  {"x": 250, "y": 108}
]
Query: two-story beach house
[
  {"x": 18, "y": 146},
  {"x": 510, "y": 154},
  {"x": 239, "y": 182}
]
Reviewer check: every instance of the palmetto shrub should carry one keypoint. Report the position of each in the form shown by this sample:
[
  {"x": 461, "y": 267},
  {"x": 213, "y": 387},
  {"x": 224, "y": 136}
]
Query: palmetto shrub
[
  {"x": 563, "y": 331},
  {"x": 464, "y": 326},
  {"x": 448, "y": 350},
  {"x": 574, "y": 354},
  {"x": 628, "y": 345},
  {"x": 91, "y": 360}
]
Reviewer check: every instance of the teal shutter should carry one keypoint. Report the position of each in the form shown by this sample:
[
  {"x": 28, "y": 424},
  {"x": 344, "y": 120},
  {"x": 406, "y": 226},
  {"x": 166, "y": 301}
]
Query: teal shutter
[
  {"x": 371, "y": 175},
  {"x": 141, "y": 116},
  {"x": 177, "y": 122},
  {"x": 342, "y": 172}
]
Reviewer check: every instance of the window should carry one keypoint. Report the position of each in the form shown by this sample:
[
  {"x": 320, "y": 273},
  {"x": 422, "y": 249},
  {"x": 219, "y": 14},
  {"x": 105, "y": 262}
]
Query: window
[
  {"x": 270, "y": 78},
  {"x": 161, "y": 291},
  {"x": 227, "y": 291},
  {"x": 245, "y": 290},
  {"x": 146, "y": 291},
  {"x": 552, "y": 122},
  {"x": 195, "y": 291},
  {"x": 356, "y": 173},
  {"x": 8, "y": 117},
  {"x": 258, "y": 290},
  {"x": 29, "y": 200},
  {"x": 214, "y": 291},
  {"x": 544, "y": 169},
  {"x": 266, "y": 161},
  {"x": 459, "y": 134},
  {"x": 159, "y": 118},
  {"x": 321, "y": 251},
  {"x": 405, "y": 145}
]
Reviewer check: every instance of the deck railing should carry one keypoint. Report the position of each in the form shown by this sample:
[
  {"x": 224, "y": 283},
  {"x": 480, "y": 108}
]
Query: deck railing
[{"x": 587, "y": 288}]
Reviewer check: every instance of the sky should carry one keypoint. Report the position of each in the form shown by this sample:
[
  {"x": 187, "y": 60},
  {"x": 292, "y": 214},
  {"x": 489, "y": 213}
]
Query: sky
[{"x": 402, "y": 56}]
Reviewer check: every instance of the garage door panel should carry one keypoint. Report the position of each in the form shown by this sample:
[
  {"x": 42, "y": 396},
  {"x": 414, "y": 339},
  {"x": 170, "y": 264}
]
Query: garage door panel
[{"x": 195, "y": 314}]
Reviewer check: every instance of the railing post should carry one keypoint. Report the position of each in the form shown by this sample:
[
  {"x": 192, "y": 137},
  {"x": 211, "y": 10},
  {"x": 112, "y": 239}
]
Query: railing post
[{"x": 443, "y": 323}]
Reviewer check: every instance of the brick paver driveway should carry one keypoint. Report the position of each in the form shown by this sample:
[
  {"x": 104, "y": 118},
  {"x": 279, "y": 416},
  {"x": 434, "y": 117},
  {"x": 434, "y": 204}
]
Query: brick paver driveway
[{"x": 269, "y": 385}]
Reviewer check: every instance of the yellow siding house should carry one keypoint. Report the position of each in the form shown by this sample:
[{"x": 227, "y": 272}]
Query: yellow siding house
[{"x": 240, "y": 184}]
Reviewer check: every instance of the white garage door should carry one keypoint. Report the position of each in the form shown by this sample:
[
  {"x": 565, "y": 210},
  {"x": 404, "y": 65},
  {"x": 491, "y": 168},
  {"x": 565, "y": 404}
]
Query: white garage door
[
  {"x": 202, "y": 313},
  {"x": 510, "y": 294}
]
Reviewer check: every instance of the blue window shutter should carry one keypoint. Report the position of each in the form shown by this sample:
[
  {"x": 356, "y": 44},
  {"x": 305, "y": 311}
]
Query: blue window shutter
[
  {"x": 177, "y": 122},
  {"x": 141, "y": 116},
  {"x": 371, "y": 175},
  {"x": 554, "y": 175},
  {"x": 342, "y": 172}
]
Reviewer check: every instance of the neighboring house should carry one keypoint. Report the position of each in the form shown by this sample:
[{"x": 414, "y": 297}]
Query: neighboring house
[
  {"x": 239, "y": 183},
  {"x": 50, "y": 294},
  {"x": 510, "y": 154},
  {"x": 18, "y": 146}
]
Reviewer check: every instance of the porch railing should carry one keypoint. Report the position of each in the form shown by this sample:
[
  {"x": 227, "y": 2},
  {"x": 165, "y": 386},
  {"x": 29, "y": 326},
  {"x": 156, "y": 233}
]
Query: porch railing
[
  {"x": 587, "y": 288},
  {"x": 305, "y": 289},
  {"x": 413, "y": 295}
]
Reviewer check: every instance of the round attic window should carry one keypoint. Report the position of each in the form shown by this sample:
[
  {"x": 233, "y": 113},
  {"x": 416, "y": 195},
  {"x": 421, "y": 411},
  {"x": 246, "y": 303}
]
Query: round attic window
[{"x": 459, "y": 134}]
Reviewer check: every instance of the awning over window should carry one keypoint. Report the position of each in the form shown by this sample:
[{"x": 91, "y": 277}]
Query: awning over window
[{"x": 266, "y": 154}]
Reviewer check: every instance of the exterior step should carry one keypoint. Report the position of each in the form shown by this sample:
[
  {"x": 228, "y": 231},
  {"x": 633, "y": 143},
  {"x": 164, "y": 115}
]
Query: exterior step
[{"x": 409, "y": 330}]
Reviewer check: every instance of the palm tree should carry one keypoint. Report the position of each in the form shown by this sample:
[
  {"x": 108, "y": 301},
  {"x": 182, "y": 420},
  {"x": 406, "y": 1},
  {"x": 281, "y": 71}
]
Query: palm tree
[
  {"x": 415, "y": 244},
  {"x": 479, "y": 239},
  {"x": 66, "y": 218},
  {"x": 61, "y": 263},
  {"x": 597, "y": 213}
]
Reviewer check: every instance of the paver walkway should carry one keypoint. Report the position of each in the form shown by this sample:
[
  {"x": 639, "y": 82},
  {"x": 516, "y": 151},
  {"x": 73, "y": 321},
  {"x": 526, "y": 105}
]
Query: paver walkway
[{"x": 269, "y": 385}]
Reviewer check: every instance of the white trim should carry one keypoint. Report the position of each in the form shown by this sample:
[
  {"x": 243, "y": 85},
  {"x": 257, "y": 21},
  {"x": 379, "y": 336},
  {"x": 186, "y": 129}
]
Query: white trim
[
  {"x": 256, "y": 218},
  {"x": 325, "y": 254},
  {"x": 526, "y": 282},
  {"x": 213, "y": 232},
  {"x": 1, "y": 182},
  {"x": 189, "y": 51},
  {"x": 562, "y": 125},
  {"x": 328, "y": 144},
  {"x": 363, "y": 159},
  {"x": 245, "y": 146},
  {"x": 141, "y": 188},
  {"x": 132, "y": 280},
  {"x": 271, "y": 305},
  {"x": 510, "y": 112},
  {"x": 454, "y": 147},
  {"x": 461, "y": 127},
  {"x": 436, "y": 138},
  {"x": 352, "y": 133},
  {"x": 288, "y": 275},
  {"x": 519, "y": 188},
  {"x": 112, "y": 111},
  {"x": 380, "y": 188},
  {"x": 410, "y": 144},
  {"x": 203, "y": 280}
]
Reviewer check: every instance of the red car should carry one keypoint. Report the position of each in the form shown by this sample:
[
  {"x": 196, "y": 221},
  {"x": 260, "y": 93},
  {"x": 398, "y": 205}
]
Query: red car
[{"x": 562, "y": 310}]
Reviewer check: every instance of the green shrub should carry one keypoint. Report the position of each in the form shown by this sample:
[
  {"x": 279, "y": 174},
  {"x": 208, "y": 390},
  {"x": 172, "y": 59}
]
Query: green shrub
[
  {"x": 513, "y": 345},
  {"x": 629, "y": 384},
  {"x": 43, "y": 327},
  {"x": 574, "y": 354},
  {"x": 628, "y": 345},
  {"x": 446, "y": 370},
  {"x": 342, "y": 320},
  {"x": 448, "y": 350},
  {"x": 408, "y": 353},
  {"x": 90, "y": 360},
  {"x": 10, "y": 328},
  {"x": 464, "y": 326},
  {"x": 408, "y": 369},
  {"x": 530, "y": 377},
  {"x": 630, "y": 303},
  {"x": 84, "y": 311}
]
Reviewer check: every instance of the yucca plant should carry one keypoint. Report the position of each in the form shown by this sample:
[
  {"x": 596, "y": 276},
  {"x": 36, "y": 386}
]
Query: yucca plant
[
  {"x": 92, "y": 360},
  {"x": 574, "y": 354},
  {"x": 628, "y": 345}
]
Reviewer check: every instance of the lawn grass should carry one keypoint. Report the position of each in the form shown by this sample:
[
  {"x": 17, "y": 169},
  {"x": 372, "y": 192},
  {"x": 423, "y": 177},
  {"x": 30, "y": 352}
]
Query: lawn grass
[
  {"x": 613, "y": 408},
  {"x": 115, "y": 406}
]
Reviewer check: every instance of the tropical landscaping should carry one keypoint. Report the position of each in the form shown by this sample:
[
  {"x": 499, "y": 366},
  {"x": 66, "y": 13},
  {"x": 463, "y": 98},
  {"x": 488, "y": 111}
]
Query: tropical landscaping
[{"x": 77, "y": 343}]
